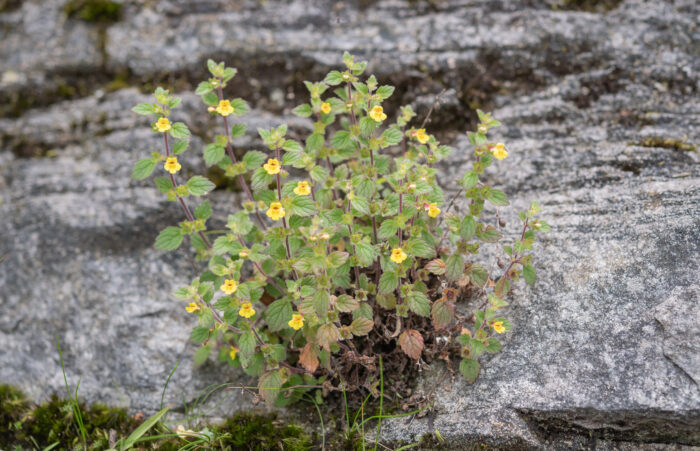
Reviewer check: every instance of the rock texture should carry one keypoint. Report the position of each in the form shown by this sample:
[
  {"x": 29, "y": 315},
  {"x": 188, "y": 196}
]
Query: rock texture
[{"x": 597, "y": 107}]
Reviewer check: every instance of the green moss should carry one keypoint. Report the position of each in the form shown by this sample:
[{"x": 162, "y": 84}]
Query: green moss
[
  {"x": 591, "y": 6},
  {"x": 13, "y": 407},
  {"x": 9, "y": 5},
  {"x": 666, "y": 143},
  {"x": 262, "y": 432},
  {"x": 97, "y": 11}
]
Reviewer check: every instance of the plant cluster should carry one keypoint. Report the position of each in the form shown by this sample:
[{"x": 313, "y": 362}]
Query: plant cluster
[{"x": 345, "y": 249}]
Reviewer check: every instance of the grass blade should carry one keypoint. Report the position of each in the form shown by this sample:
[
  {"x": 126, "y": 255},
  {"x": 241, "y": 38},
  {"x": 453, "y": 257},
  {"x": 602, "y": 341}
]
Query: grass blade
[{"x": 139, "y": 431}]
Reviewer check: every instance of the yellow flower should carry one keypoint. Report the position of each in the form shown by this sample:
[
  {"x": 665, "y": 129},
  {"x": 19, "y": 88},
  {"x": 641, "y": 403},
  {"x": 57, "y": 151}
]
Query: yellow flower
[
  {"x": 184, "y": 433},
  {"x": 171, "y": 165},
  {"x": 246, "y": 310},
  {"x": 244, "y": 253},
  {"x": 498, "y": 327},
  {"x": 421, "y": 136},
  {"x": 377, "y": 113},
  {"x": 192, "y": 307},
  {"x": 272, "y": 166},
  {"x": 499, "y": 151},
  {"x": 229, "y": 286},
  {"x": 163, "y": 124},
  {"x": 224, "y": 108},
  {"x": 232, "y": 353},
  {"x": 276, "y": 211},
  {"x": 433, "y": 210},
  {"x": 326, "y": 107},
  {"x": 297, "y": 321},
  {"x": 302, "y": 189},
  {"x": 398, "y": 255}
]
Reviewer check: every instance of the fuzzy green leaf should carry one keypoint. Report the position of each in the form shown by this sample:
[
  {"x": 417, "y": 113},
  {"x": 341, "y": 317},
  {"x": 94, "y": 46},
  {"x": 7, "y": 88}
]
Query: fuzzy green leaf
[
  {"x": 199, "y": 185},
  {"x": 454, "y": 267},
  {"x": 180, "y": 131},
  {"x": 418, "y": 303},
  {"x": 361, "y": 326},
  {"x": 213, "y": 153},
  {"x": 169, "y": 239},
  {"x": 143, "y": 169},
  {"x": 278, "y": 314},
  {"x": 469, "y": 369}
]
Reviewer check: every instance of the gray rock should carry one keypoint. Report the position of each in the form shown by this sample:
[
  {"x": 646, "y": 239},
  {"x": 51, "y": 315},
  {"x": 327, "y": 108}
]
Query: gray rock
[{"x": 604, "y": 350}]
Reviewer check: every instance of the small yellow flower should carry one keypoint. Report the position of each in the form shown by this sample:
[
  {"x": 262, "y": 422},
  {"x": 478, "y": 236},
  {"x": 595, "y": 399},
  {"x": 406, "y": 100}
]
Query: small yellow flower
[
  {"x": 302, "y": 189},
  {"x": 398, "y": 255},
  {"x": 498, "y": 327},
  {"x": 184, "y": 433},
  {"x": 433, "y": 210},
  {"x": 482, "y": 128},
  {"x": 171, "y": 165},
  {"x": 163, "y": 125},
  {"x": 326, "y": 107},
  {"x": 229, "y": 286},
  {"x": 232, "y": 353},
  {"x": 244, "y": 253},
  {"x": 192, "y": 307},
  {"x": 276, "y": 211},
  {"x": 224, "y": 108},
  {"x": 377, "y": 113},
  {"x": 272, "y": 166},
  {"x": 297, "y": 321},
  {"x": 499, "y": 151},
  {"x": 421, "y": 136},
  {"x": 246, "y": 310}
]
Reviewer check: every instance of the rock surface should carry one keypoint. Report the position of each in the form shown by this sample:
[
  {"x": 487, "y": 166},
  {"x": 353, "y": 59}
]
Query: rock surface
[{"x": 604, "y": 351}]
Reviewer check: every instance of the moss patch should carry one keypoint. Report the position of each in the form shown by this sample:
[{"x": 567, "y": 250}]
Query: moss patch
[
  {"x": 666, "y": 143},
  {"x": 591, "y": 6},
  {"x": 25, "y": 425},
  {"x": 96, "y": 11}
]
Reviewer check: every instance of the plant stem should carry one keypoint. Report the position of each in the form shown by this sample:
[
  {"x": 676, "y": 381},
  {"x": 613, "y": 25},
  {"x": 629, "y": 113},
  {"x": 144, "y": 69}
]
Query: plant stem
[
  {"x": 232, "y": 156},
  {"x": 184, "y": 206}
]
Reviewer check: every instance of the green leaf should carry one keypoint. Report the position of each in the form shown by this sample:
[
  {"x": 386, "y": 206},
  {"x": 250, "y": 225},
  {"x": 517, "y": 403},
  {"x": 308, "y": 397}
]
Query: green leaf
[
  {"x": 210, "y": 99},
  {"x": 418, "y": 303},
  {"x": 180, "y": 146},
  {"x": 469, "y": 369},
  {"x": 199, "y": 185},
  {"x": 436, "y": 266},
  {"x": 479, "y": 275},
  {"x": 367, "y": 126},
  {"x": 454, "y": 267},
  {"x": 303, "y": 206},
  {"x": 246, "y": 344},
  {"x": 419, "y": 248},
  {"x": 388, "y": 282},
  {"x": 321, "y": 302},
  {"x": 361, "y": 326},
  {"x": 385, "y": 91},
  {"x": 493, "y": 346},
  {"x": 497, "y": 197},
  {"x": 199, "y": 334},
  {"x": 365, "y": 253},
  {"x": 213, "y": 153},
  {"x": 319, "y": 174},
  {"x": 169, "y": 239},
  {"x": 467, "y": 228},
  {"x": 203, "y": 211},
  {"x": 341, "y": 139},
  {"x": 203, "y": 88},
  {"x": 253, "y": 159},
  {"x": 144, "y": 109},
  {"x": 163, "y": 184},
  {"x": 269, "y": 386},
  {"x": 388, "y": 229},
  {"x": 392, "y": 136},
  {"x": 361, "y": 205},
  {"x": 180, "y": 131},
  {"x": 260, "y": 179},
  {"x": 303, "y": 110},
  {"x": 278, "y": 314},
  {"x": 442, "y": 313},
  {"x": 131, "y": 440},
  {"x": 292, "y": 146},
  {"x": 201, "y": 355},
  {"x": 477, "y": 348},
  {"x": 337, "y": 258},
  {"x": 314, "y": 142},
  {"x": 333, "y": 78},
  {"x": 346, "y": 304},
  {"x": 529, "y": 274},
  {"x": 469, "y": 180},
  {"x": 327, "y": 334},
  {"x": 143, "y": 168},
  {"x": 238, "y": 130},
  {"x": 240, "y": 107},
  {"x": 490, "y": 234}
]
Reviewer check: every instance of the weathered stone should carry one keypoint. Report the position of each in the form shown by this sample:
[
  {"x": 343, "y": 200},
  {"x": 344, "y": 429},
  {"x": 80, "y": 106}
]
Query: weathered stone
[{"x": 604, "y": 350}]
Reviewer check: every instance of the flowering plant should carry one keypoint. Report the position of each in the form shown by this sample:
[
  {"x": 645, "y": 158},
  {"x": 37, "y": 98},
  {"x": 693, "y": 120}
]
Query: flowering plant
[{"x": 345, "y": 249}]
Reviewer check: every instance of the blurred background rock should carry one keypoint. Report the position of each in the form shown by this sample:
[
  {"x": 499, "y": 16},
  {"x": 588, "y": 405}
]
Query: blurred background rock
[{"x": 601, "y": 113}]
